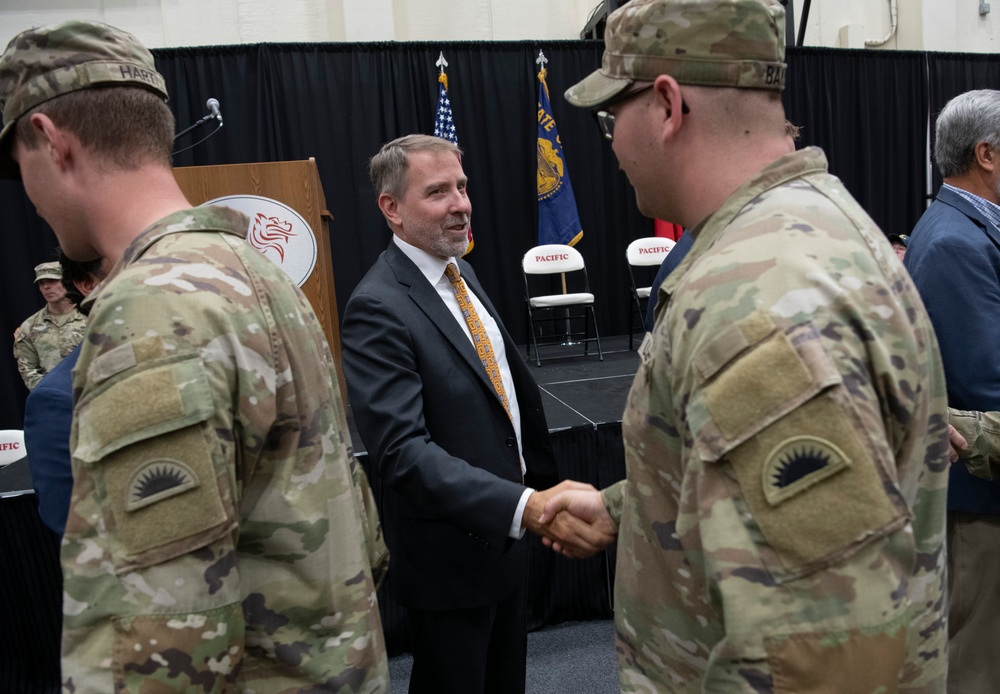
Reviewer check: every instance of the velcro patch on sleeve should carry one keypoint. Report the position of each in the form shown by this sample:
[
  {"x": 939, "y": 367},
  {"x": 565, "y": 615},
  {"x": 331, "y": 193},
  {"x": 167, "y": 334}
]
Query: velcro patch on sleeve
[
  {"x": 811, "y": 487},
  {"x": 152, "y": 453},
  {"x": 148, "y": 400},
  {"x": 857, "y": 660},
  {"x": 124, "y": 357},
  {"x": 814, "y": 500},
  {"x": 766, "y": 378},
  {"x": 165, "y": 496},
  {"x": 732, "y": 340}
]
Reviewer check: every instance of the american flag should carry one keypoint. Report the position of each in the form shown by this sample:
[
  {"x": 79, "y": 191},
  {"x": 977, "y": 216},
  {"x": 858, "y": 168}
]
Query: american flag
[{"x": 444, "y": 124}]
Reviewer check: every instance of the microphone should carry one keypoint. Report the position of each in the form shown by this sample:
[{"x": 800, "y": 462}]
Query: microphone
[
  {"x": 214, "y": 114},
  {"x": 213, "y": 106}
]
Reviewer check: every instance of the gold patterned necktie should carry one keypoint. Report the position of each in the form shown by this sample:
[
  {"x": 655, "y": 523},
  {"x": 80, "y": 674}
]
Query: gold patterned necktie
[{"x": 478, "y": 332}]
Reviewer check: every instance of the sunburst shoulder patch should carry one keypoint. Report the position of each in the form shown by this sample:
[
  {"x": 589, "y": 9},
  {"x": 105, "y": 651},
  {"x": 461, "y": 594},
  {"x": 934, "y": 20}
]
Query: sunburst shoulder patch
[
  {"x": 798, "y": 463},
  {"x": 156, "y": 480}
]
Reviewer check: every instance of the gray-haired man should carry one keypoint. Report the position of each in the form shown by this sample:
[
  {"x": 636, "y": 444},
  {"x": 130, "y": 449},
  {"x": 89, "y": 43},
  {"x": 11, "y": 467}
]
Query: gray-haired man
[{"x": 954, "y": 259}]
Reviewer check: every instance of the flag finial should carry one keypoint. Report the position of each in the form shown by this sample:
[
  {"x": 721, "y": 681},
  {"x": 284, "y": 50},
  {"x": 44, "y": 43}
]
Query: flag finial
[
  {"x": 441, "y": 62},
  {"x": 541, "y": 59}
]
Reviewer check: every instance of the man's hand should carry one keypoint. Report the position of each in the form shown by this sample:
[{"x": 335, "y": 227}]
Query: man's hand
[
  {"x": 567, "y": 534},
  {"x": 576, "y": 522},
  {"x": 956, "y": 443}
]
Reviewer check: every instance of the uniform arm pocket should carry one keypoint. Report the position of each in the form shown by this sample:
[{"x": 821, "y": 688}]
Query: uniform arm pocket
[
  {"x": 146, "y": 440},
  {"x": 812, "y": 489}
]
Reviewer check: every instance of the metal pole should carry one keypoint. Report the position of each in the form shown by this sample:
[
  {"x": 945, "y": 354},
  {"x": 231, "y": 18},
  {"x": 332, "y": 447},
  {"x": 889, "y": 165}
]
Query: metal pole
[{"x": 804, "y": 22}]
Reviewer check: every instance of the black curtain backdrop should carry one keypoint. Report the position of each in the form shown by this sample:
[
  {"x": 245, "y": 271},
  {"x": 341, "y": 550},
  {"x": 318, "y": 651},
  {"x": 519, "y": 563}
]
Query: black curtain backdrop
[
  {"x": 339, "y": 103},
  {"x": 868, "y": 111}
]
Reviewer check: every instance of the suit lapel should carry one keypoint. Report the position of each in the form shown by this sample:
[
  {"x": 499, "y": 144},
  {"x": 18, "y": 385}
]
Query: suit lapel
[{"x": 425, "y": 299}]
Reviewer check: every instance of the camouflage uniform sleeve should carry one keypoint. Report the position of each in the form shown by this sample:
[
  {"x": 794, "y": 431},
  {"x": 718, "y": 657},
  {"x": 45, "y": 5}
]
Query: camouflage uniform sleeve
[
  {"x": 613, "y": 498},
  {"x": 378, "y": 552},
  {"x": 814, "y": 480},
  {"x": 215, "y": 536},
  {"x": 28, "y": 364},
  {"x": 982, "y": 432}
]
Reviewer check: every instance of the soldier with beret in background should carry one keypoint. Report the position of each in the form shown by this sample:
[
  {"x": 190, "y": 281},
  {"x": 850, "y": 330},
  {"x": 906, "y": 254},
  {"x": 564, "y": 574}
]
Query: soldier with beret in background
[
  {"x": 46, "y": 337},
  {"x": 782, "y": 524},
  {"x": 220, "y": 534}
]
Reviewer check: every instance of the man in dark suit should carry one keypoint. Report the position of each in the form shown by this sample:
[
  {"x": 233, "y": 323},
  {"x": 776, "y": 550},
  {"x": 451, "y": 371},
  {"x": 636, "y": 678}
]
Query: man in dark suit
[
  {"x": 954, "y": 257},
  {"x": 453, "y": 422}
]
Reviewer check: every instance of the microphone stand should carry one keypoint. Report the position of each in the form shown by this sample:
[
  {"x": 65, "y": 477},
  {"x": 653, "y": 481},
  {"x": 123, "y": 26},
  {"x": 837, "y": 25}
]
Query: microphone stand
[{"x": 198, "y": 123}]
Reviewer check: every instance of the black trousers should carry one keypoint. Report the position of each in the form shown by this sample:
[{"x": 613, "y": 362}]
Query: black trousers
[{"x": 474, "y": 651}]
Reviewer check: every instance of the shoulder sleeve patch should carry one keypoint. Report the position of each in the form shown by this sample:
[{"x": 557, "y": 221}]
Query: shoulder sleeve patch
[
  {"x": 158, "y": 479},
  {"x": 798, "y": 463}
]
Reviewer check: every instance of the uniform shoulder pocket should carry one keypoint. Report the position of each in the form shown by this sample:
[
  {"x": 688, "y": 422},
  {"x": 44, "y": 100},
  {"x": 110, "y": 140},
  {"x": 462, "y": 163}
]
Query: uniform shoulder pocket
[
  {"x": 144, "y": 437},
  {"x": 812, "y": 487},
  {"x": 142, "y": 400}
]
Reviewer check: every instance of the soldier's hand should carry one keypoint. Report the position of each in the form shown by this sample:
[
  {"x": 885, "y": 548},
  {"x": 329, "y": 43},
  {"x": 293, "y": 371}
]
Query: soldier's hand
[
  {"x": 578, "y": 524},
  {"x": 580, "y": 539},
  {"x": 956, "y": 443}
]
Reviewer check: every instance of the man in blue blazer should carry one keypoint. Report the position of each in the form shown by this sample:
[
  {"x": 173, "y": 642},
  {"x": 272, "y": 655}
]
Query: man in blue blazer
[
  {"x": 954, "y": 258},
  {"x": 453, "y": 422}
]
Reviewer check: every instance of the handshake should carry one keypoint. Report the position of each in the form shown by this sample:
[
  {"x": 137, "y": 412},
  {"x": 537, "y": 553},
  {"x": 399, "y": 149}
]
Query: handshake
[{"x": 571, "y": 518}]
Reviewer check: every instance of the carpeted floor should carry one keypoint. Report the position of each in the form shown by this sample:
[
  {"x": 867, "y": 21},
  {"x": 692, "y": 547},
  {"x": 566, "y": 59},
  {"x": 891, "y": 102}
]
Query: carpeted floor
[{"x": 570, "y": 658}]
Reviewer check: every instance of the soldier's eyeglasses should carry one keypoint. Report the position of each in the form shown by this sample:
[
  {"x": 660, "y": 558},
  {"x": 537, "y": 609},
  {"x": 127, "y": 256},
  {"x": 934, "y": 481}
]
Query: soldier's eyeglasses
[{"x": 606, "y": 119}]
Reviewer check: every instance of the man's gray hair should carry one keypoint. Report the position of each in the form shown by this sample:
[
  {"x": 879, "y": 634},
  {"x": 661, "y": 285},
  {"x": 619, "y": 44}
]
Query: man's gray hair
[
  {"x": 387, "y": 169},
  {"x": 966, "y": 120}
]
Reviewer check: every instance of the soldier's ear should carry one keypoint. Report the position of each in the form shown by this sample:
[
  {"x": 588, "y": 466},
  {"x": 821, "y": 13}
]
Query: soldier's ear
[
  {"x": 671, "y": 104},
  {"x": 55, "y": 140}
]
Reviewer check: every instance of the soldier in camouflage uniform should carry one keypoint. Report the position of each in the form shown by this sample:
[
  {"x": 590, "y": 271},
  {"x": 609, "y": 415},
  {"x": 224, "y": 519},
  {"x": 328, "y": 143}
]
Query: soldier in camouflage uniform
[
  {"x": 782, "y": 524},
  {"x": 46, "y": 337},
  {"x": 220, "y": 536}
]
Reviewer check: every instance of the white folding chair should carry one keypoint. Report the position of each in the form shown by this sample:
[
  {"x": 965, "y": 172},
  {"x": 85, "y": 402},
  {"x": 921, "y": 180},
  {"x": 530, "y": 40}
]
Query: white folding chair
[
  {"x": 565, "y": 261},
  {"x": 11, "y": 446},
  {"x": 646, "y": 252}
]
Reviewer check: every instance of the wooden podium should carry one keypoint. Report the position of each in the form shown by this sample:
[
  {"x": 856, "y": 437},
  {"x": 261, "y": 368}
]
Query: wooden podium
[{"x": 296, "y": 184}]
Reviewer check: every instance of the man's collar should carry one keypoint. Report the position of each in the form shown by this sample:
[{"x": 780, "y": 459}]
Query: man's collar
[{"x": 430, "y": 266}]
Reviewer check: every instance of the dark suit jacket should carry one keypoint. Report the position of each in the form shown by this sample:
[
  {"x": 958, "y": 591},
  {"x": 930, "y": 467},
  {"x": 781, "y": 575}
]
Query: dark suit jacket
[
  {"x": 48, "y": 415},
  {"x": 954, "y": 259},
  {"x": 439, "y": 437}
]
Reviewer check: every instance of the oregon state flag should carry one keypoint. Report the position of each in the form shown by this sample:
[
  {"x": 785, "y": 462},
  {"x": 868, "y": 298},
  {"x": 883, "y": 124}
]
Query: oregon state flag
[{"x": 558, "y": 221}]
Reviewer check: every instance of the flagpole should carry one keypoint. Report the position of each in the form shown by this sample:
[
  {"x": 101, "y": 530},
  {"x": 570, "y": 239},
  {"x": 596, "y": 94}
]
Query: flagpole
[{"x": 542, "y": 72}]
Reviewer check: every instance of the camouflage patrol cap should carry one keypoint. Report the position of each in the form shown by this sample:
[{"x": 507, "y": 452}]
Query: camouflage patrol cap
[
  {"x": 714, "y": 43},
  {"x": 48, "y": 271},
  {"x": 43, "y": 63}
]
